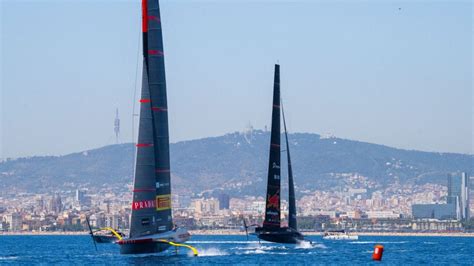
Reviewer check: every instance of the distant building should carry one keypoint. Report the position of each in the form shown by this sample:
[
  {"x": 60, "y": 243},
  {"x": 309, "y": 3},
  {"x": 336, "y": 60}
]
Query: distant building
[
  {"x": 224, "y": 201},
  {"x": 471, "y": 196},
  {"x": 15, "y": 221},
  {"x": 79, "y": 195},
  {"x": 382, "y": 215},
  {"x": 435, "y": 211},
  {"x": 56, "y": 205},
  {"x": 206, "y": 206},
  {"x": 458, "y": 194},
  {"x": 40, "y": 204},
  {"x": 184, "y": 201},
  {"x": 257, "y": 206},
  {"x": 113, "y": 221}
]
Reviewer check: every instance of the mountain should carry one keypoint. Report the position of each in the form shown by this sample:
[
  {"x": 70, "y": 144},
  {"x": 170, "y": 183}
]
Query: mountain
[{"x": 237, "y": 164}]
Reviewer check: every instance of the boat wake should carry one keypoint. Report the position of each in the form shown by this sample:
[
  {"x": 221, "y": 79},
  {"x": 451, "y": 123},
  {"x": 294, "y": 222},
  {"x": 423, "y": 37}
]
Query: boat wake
[
  {"x": 222, "y": 242},
  {"x": 304, "y": 245},
  {"x": 309, "y": 245},
  {"x": 264, "y": 251},
  {"x": 378, "y": 242},
  {"x": 209, "y": 252},
  {"x": 261, "y": 247},
  {"x": 276, "y": 249},
  {"x": 8, "y": 258}
]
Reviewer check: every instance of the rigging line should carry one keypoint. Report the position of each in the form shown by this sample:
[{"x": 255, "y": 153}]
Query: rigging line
[
  {"x": 133, "y": 110},
  {"x": 135, "y": 88}
]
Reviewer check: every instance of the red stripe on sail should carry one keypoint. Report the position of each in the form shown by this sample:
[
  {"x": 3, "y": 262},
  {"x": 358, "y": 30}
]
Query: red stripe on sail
[
  {"x": 141, "y": 145},
  {"x": 159, "y": 109},
  {"x": 145, "y": 100},
  {"x": 275, "y": 145},
  {"x": 155, "y": 52},
  {"x": 145, "y": 190},
  {"x": 155, "y": 18},
  {"x": 144, "y": 16}
]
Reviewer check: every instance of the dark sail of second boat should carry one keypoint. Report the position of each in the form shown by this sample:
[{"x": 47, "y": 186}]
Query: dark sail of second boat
[
  {"x": 291, "y": 186},
  {"x": 271, "y": 229}
]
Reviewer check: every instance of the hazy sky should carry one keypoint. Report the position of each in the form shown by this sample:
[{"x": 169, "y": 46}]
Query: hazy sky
[{"x": 362, "y": 70}]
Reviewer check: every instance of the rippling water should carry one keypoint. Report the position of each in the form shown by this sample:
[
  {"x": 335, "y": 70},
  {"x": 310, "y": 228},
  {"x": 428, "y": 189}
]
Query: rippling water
[{"x": 237, "y": 250}]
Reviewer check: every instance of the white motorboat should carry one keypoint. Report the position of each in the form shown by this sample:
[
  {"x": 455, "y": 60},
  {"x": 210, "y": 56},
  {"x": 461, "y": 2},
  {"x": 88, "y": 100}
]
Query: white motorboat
[{"x": 339, "y": 235}]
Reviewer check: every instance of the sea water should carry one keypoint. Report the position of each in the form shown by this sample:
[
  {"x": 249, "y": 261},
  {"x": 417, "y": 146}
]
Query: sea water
[{"x": 237, "y": 249}]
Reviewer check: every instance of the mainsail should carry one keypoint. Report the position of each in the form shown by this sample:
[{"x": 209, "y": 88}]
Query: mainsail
[
  {"x": 272, "y": 207},
  {"x": 271, "y": 229},
  {"x": 291, "y": 186},
  {"x": 151, "y": 206}
]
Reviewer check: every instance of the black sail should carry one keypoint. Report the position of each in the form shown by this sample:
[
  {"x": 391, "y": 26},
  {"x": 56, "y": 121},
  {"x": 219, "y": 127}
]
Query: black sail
[
  {"x": 272, "y": 207},
  {"x": 291, "y": 186},
  {"x": 151, "y": 206},
  {"x": 144, "y": 193},
  {"x": 157, "y": 84}
]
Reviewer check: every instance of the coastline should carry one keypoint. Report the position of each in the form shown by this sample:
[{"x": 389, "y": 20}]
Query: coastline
[
  {"x": 444, "y": 234},
  {"x": 236, "y": 232}
]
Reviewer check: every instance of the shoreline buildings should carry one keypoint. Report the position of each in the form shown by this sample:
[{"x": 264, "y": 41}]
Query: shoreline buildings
[{"x": 457, "y": 201}]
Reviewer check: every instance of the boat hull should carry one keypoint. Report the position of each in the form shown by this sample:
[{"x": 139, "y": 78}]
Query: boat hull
[
  {"x": 104, "y": 239},
  {"x": 153, "y": 243},
  {"x": 143, "y": 247},
  {"x": 283, "y": 235}
]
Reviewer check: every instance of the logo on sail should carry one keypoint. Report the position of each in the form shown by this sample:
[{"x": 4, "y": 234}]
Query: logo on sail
[
  {"x": 158, "y": 184},
  {"x": 144, "y": 204},
  {"x": 274, "y": 201},
  {"x": 275, "y": 166},
  {"x": 163, "y": 202}
]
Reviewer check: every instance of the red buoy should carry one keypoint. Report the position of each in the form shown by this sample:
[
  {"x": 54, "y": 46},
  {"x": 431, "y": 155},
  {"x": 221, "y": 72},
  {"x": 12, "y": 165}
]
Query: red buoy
[{"x": 378, "y": 252}]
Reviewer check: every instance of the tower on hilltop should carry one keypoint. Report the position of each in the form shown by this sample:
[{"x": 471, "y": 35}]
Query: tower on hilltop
[{"x": 117, "y": 126}]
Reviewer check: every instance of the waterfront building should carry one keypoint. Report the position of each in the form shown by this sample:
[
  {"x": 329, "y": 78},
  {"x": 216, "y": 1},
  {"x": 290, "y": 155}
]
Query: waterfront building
[
  {"x": 458, "y": 193},
  {"x": 471, "y": 196},
  {"x": 206, "y": 206},
  {"x": 435, "y": 211},
  {"x": 382, "y": 215},
  {"x": 15, "y": 221}
]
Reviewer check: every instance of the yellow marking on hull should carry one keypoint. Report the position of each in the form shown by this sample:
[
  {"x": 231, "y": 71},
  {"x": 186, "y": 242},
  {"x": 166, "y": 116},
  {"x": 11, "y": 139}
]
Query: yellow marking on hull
[
  {"x": 117, "y": 235},
  {"x": 193, "y": 249}
]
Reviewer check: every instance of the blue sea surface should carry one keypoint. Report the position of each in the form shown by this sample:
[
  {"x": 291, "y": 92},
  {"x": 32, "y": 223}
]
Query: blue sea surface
[{"x": 399, "y": 250}]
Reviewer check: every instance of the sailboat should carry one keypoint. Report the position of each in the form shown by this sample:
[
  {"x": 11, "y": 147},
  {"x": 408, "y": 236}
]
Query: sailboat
[
  {"x": 271, "y": 230},
  {"x": 151, "y": 226}
]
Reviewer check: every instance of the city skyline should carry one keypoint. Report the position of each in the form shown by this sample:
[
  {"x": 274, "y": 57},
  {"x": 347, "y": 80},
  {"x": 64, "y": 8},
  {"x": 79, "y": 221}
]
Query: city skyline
[
  {"x": 109, "y": 206},
  {"x": 406, "y": 67}
]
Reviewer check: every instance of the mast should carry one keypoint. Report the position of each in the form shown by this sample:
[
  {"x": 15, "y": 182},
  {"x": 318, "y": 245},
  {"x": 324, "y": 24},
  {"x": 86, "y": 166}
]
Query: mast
[
  {"x": 272, "y": 207},
  {"x": 151, "y": 206},
  {"x": 291, "y": 186}
]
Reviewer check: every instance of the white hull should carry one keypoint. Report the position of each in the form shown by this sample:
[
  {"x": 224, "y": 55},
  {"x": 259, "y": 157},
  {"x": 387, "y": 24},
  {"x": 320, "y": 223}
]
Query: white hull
[{"x": 341, "y": 237}]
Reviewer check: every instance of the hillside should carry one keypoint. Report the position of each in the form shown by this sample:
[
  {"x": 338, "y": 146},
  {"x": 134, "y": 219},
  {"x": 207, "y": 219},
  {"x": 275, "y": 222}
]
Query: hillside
[{"x": 236, "y": 163}]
